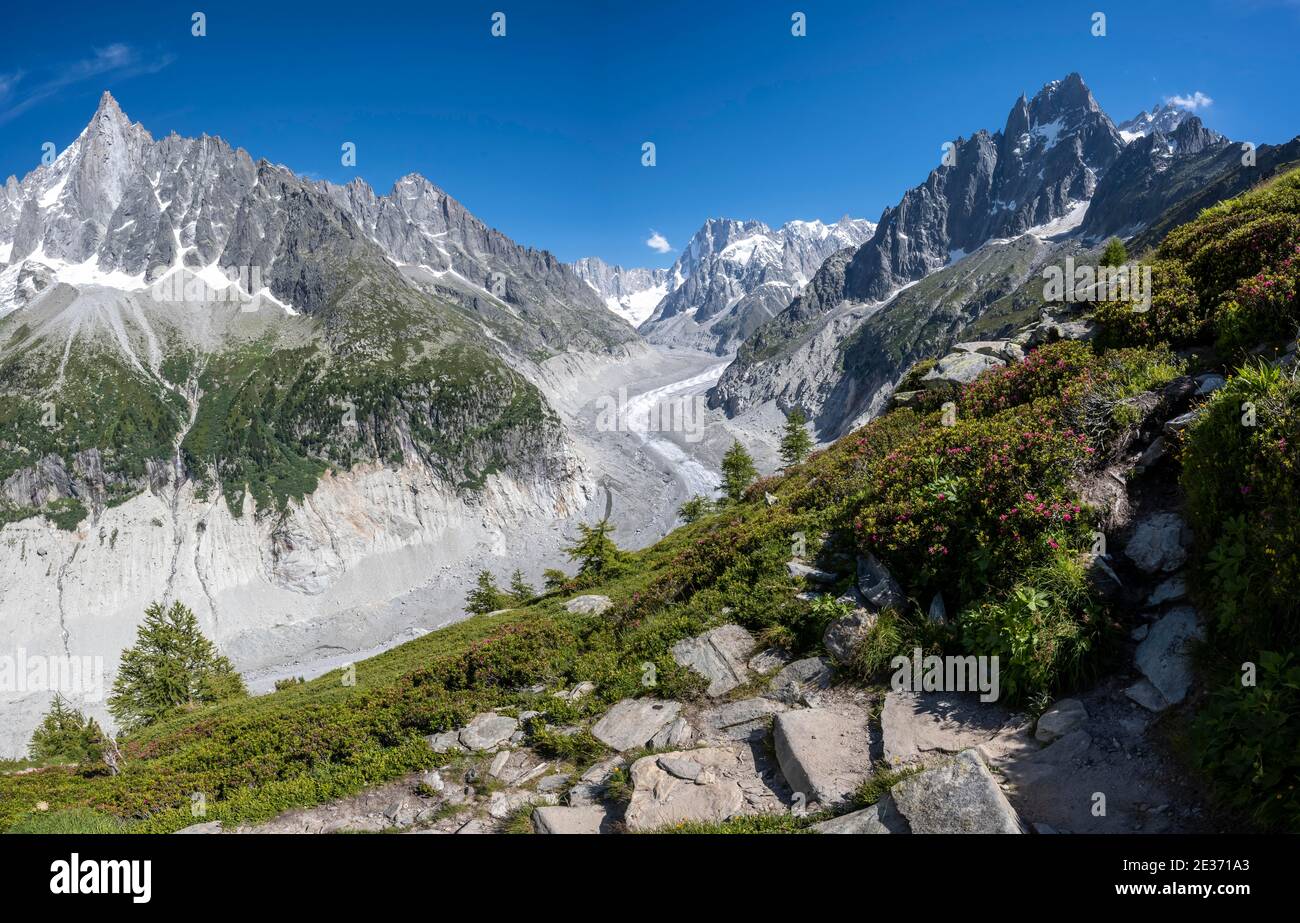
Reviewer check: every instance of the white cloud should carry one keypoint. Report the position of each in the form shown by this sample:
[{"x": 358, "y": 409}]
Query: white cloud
[
  {"x": 116, "y": 62},
  {"x": 658, "y": 242},
  {"x": 1197, "y": 100}
]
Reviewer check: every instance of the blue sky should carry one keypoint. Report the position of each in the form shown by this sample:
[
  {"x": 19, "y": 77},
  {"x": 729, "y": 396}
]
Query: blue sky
[{"x": 539, "y": 133}]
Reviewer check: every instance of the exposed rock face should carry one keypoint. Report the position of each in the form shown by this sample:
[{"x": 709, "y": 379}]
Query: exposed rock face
[
  {"x": 363, "y": 537},
  {"x": 1041, "y": 166},
  {"x": 960, "y": 796},
  {"x": 824, "y": 753},
  {"x": 843, "y": 635},
  {"x": 1152, "y": 173},
  {"x": 748, "y": 719},
  {"x": 718, "y": 655},
  {"x": 959, "y": 368},
  {"x": 634, "y": 723}
]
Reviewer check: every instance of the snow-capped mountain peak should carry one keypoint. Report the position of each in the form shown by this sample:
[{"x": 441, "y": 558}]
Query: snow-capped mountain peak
[{"x": 1163, "y": 117}]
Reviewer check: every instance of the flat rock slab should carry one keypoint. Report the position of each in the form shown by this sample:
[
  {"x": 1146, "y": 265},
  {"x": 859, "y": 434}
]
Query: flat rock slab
[
  {"x": 589, "y": 605},
  {"x": 561, "y": 820},
  {"x": 718, "y": 655},
  {"x": 488, "y": 730},
  {"x": 824, "y": 753},
  {"x": 881, "y": 817},
  {"x": 919, "y": 725},
  {"x": 748, "y": 719},
  {"x": 960, "y": 796},
  {"x": 707, "y": 785},
  {"x": 1164, "y": 657},
  {"x": 634, "y": 723},
  {"x": 1159, "y": 543}
]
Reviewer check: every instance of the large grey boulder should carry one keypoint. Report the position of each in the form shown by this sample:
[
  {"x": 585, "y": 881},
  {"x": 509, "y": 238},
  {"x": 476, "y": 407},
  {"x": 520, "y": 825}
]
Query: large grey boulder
[
  {"x": 959, "y": 368},
  {"x": 877, "y": 585},
  {"x": 824, "y": 753},
  {"x": 718, "y": 655},
  {"x": 1159, "y": 543},
  {"x": 207, "y": 827},
  {"x": 881, "y": 817},
  {"x": 488, "y": 730},
  {"x": 959, "y": 796},
  {"x": 591, "y": 604},
  {"x": 1165, "y": 656},
  {"x": 633, "y": 723},
  {"x": 561, "y": 820}
]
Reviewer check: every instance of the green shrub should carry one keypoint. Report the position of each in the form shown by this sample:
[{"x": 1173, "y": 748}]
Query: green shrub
[
  {"x": 1043, "y": 631},
  {"x": 65, "y": 735},
  {"x": 1247, "y": 740}
]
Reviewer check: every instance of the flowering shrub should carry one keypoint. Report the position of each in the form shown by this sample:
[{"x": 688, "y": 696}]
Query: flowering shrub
[{"x": 1230, "y": 274}]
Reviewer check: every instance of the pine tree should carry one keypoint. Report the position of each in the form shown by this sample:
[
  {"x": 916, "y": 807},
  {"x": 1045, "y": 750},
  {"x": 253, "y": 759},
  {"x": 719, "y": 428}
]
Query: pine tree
[
  {"x": 554, "y": 579},
  {"x": 1115, "y": 254},
  {"x": 595, "y": 551},
  {"x": 519, "y": 588},
  {"x": 796, "y": 442},
  {"x": 65, "y": 735},
  {"x": 171, "y": 666},
  {"x": 695, "y": 509},
  {"x": 738, "y": 472},
  {"x": 486, "y": 595}
]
